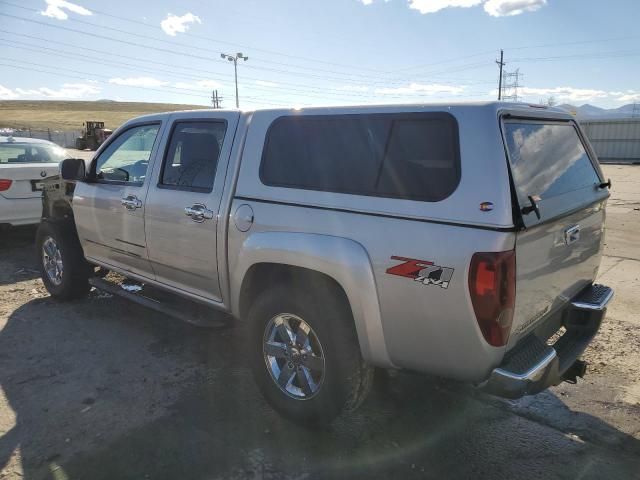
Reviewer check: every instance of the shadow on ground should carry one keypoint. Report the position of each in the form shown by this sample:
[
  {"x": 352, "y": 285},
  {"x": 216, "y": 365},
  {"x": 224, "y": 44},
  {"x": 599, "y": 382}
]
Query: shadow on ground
[
  {"x": 103, "y": 389},
  {"x": 18, "y": 253}
]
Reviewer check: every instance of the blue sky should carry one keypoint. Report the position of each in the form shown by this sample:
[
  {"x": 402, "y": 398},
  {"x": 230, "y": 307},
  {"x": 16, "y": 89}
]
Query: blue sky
[{"x": 326, "y": 52}]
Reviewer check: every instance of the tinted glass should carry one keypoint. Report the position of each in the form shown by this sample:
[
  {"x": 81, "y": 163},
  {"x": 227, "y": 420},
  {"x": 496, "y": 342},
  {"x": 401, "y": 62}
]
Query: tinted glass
[
  {"x": 192, "y": 156},
  {"x": 393, "y": 155},
  {"x": 30, "y": 153},
  {"x": 126, "y": 158},
  {"x": 547, "y": 159}
]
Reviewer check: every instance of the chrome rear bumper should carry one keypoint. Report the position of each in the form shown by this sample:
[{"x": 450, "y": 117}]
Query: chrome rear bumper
[{"x": 533, "y": 365}]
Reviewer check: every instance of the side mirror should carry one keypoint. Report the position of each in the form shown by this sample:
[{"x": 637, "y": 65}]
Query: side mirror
[{"x": 73, "y": 169}]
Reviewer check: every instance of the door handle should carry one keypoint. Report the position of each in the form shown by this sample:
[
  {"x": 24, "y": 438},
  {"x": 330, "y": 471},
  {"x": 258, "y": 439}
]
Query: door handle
[
  {"x": 572, "y": 235},
  {"x": 131, "y": 202},
  {"x": 198, "y": 212}
]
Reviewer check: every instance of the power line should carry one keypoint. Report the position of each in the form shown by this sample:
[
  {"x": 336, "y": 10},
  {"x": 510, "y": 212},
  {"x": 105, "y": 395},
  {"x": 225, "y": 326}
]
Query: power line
[
  {"x": 271, "y": 52},
  {"x": 223, "y": 42},
  {"x": 523, "y": 47},
  {"x": 66, "y": 75},
  {"x": 348, "y": 76},
  {"x": 579, "y": 42},
  {"x": 175, "y": 89},
  {"x": 253, "y": 100},
  {"x": 209, "y": 73},
  {"x": 205, "y": 58},
  {"x": 137, "y": 68},
  {"x": 187, "y": 34},
  {"x": 582, "y": 56},
  {"x": 306, "y": 91},
  {"x": 172, "y": 43}
]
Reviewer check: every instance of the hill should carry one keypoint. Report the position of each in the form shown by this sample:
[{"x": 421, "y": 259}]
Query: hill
[
  {"x": 591, "y": 111},
  {"x": 69, "y": 115}
]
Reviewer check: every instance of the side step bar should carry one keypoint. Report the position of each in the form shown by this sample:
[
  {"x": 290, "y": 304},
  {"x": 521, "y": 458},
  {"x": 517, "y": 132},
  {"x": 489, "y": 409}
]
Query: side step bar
[{"x": 185, "y": 310}]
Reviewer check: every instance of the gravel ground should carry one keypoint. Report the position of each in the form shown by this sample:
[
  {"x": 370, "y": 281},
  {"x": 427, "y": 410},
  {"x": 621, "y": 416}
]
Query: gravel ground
[{"x": 103, "y": 389}]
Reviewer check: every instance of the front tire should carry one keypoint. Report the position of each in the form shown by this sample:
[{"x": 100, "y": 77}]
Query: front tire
[
  {"x": 305, "y": 354},
  {"x": 63, "y": 269}
]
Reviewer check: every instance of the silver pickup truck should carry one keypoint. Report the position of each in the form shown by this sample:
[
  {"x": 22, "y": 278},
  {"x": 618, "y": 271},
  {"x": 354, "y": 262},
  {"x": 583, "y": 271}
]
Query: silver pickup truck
[{"x": 460, "y": 241}]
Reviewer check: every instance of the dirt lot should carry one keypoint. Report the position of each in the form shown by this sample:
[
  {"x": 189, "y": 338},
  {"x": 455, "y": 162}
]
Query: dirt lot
[{"x": 103, "y": 389}]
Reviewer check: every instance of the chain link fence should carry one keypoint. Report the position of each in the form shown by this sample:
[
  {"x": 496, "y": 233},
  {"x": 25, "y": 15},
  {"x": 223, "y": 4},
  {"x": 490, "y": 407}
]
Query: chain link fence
[{"x": 64, "y": 138}]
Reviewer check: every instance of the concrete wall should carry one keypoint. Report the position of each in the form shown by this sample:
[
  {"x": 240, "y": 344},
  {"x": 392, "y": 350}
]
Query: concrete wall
[{"x": 615, "y": 141}]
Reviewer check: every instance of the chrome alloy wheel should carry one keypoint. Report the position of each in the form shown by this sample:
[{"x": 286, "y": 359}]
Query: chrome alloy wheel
[
  {"x": 52, "y": 261},
  {"x": 294, "y": 356}
]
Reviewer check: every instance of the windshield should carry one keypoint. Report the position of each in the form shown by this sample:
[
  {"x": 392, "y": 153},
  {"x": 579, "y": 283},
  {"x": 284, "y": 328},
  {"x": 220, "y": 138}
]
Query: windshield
[
  {"x": 31, "y": 153},
  {"x": 547, "y": 159}
]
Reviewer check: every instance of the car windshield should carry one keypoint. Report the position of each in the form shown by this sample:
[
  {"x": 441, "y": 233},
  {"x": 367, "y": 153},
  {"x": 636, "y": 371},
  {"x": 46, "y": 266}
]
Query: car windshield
[{"x": 31, "y": 153}]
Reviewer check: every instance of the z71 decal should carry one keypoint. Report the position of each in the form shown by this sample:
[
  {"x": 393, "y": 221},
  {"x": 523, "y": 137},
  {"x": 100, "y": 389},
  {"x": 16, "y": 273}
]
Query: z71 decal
[{"x": 422, "y": 271}]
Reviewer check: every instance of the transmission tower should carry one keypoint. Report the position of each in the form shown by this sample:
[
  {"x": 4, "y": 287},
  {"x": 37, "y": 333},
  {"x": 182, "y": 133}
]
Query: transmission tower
[
  {"x": 635, "y": 112},
  {"x": 510, "y": 85}
]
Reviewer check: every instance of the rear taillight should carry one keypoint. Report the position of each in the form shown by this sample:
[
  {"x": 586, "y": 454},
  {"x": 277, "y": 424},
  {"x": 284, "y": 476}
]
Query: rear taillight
[
  {"x": 4, "y": 184},
  {"x": 492, "y": 285}
]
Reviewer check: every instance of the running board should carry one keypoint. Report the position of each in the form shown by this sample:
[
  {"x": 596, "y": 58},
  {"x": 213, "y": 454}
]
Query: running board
[{"x": 172, "y": 305}]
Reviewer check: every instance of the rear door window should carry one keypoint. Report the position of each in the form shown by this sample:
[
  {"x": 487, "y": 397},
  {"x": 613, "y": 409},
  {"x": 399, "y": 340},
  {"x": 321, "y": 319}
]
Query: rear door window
[
  {"x": 192, "y": 156},
  {"x": 408, "y": 156}
]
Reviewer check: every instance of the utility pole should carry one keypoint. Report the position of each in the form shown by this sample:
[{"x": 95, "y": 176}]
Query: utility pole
[
  {"x": 216, "y": 100},
  {"x": 234, "y": 59},
  {"x": 501, "y": 64}
]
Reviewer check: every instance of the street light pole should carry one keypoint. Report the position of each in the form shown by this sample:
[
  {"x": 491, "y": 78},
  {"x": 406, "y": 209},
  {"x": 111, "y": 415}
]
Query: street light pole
[
  {"x": 234, "y": 59},
  {"x": 235, "y": 71}
]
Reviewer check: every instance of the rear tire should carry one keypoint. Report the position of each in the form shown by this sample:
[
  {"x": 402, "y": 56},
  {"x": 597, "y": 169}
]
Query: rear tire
[
  {"x": 63, "y": 269},
  {"x": 324, "y": 317}
]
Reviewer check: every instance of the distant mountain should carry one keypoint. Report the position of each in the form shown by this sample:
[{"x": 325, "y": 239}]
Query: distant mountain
[{"x": 591, "y": 111}]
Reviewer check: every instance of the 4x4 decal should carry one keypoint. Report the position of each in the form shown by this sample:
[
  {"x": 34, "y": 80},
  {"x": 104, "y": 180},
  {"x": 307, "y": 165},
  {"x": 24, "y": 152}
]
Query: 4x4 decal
[{"x": 422, "y": 271}]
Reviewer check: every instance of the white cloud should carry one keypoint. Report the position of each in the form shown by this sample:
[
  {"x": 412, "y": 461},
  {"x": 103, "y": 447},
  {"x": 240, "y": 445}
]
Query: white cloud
[
  {"x": 67, "y": 91},
  {"x": 432, "y": 6},
  {"x": 138, "y": 82},
  {"x": 501, "y": 8},
  {"x": 569, "y": 94},
  {"x": 575, "y": 95},
  {"x": 495, "y": 8},
  {"x": 7, "y": 93},
  {"x": 266, "y": 84},
  {"x": 629, "y": 97},
  {"x": 420, "y": 88},
  {"x": 174, "y": 24},
  {"x": 56, "y": 9}
]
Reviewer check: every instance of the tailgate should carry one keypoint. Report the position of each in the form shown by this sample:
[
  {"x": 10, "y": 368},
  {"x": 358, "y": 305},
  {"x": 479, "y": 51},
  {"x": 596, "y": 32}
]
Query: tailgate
[
  {"x": 558, "y": 252},
  {"x": 26, "y": 179}
]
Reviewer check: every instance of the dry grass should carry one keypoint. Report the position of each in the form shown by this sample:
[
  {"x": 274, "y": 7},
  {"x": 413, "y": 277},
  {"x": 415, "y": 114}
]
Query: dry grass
[{"x": 66, "y": 115}]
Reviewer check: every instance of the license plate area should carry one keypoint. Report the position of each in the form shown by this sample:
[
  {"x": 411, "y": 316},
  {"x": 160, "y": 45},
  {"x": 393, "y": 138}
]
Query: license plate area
[{"x": 37, "y": 185}]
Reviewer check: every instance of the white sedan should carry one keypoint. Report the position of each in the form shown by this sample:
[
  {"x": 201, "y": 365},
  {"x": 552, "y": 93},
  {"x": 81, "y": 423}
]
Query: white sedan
[{"x": 24, "y": 163}]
